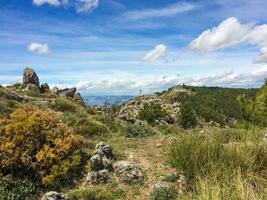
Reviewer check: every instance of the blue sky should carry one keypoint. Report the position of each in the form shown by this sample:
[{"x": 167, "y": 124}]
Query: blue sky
[{"x": 121, "y": 46}]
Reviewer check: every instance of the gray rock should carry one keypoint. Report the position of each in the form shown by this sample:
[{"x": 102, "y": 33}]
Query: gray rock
[
  {"x": 55, "y": 90},
  {"x": 127, "y": 172},
  {"x": 45, "y": 87},
  {"x": 67, "y": 92},
  {"x": 103, "y": 149},
  {"x": 32, "y": 87},
  {"x": 14, "y": 96},
  {"x": 107, "y": 164},
  {"x": 30, "y": 77},
  {"x": 99, "y": 177},
  {"x": 78, "y": 99},
  {"x": 96, "y": 162},
  {"x": 54, "y": 196}
]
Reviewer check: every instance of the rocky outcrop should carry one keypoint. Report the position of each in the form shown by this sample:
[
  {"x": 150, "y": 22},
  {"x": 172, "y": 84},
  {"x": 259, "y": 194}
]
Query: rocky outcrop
[
  {"x": 54, "y": 196},
  {"x": 44, "y": 88},
  {"x": 101, "y": 158},
  {"x": 130, "y": 110},
  {"x": 30, "y": 80},
  {"x": 67, "y": 92},
  {"x": 78, "y": 99},
  {"x": 128, "y": 172}
]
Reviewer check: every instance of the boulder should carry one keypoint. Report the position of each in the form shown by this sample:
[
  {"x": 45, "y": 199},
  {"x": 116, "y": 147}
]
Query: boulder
[
  {"x": 107, "y": 164},
  {"x": 44, "y": 88},
  {"x": 128, "y": 172},
  {"x": 104, "y": 149},
  {"x": 96, "y": 162},
  {"x": 30, "y": 77},
  {"x": 99, "y": 177},
  {"x": 55, "y": 90},
  {"x": 67, "y": 92},
  {"x": 32, "y": 87},
  {"x": 54, "y": 196},
  {"x": 78, "y": 99}
]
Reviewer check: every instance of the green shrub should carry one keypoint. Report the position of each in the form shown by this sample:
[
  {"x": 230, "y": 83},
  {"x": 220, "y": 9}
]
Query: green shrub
[
  {"x": 151, "y": 112},
  {"x": 89, "y": 127},
  {"x": 95, "y": 194},
  {"x": 21, "y": 189},
  {"x": 163, "y": 193},
  {"x": 188, "y": 117},
  {"x": 36, "y": 144},
  {"x": 64, "y": 105},
  {"x": 132, "y": 130}
]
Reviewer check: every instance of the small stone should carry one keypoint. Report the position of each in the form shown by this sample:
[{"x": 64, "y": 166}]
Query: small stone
[
  {"x": 103, "y": 148},
  {"x": 99, "y": 177},
  {"x": 54, "y": 196},
  {"x": 127, "y": 172}
]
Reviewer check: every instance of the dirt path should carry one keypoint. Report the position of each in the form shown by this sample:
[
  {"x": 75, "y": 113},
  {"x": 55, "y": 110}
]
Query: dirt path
[{"x": 151, "y": 157}]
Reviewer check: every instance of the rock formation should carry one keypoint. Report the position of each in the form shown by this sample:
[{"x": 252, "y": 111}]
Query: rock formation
[
  {"x": 54, "y": 196},
  {"x": 30, "y": 80}
]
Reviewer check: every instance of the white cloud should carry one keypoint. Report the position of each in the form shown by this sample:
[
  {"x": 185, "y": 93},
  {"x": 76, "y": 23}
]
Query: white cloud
[
  {"x": 86, "y": 5},
  {"x": 161, "y": 12},
  {"x": 50, "y": 2},
  {"x": 262, "y": 57},
  {"x": 39, "y": 48},
  {"x": 230, "y": 32},
  {"x": 155, "y": 54},
  {"x": 259, "y": 35}
]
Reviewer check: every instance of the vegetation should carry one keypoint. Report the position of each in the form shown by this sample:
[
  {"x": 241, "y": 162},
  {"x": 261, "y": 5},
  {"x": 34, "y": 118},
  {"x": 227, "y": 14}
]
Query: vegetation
[
  {"x": 212, "y": 161},
  {"x": 255, "y": 110},
  {"x": 214, "y": 103},
  {"x": 188, "y": 117},
  {"x": 151, "y": 112},
  {"x": 35, "y": 144}
]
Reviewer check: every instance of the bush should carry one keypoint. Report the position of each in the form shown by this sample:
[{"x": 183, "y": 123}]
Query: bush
[
  {"x": 188, "y": 117},
  {"x": 131, "y": 130},
  {"x": 89, "y": 127},
  {"x": 151, "y": 112},
  {"x": 36, "y": 144},
  {"x": 64, "y": 105},
  {"x": 218, "y": 156},
  {"x": 163, "y": 193}
]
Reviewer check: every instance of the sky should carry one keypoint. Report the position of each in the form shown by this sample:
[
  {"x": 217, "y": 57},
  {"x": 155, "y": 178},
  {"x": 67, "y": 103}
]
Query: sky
[{"x": 119, "y": 47}]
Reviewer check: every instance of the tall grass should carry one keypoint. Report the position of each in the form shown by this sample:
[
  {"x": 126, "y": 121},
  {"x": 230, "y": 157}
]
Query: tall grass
[{"x": 223, "y": 162}]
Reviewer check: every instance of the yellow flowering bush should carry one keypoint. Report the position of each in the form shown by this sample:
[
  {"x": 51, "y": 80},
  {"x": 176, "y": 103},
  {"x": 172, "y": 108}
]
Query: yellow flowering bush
[{"x": 38, "y": 144}]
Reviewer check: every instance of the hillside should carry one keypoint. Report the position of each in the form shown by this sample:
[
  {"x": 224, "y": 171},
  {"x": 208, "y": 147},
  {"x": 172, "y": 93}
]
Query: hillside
[{"x": 184, "y": 143}]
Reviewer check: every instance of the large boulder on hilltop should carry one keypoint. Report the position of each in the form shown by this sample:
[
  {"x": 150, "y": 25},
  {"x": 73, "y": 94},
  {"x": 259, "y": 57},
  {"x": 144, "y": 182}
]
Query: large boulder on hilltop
[
  {"x": 67, "y": 92},
  {"x": 30, "y": 77}
]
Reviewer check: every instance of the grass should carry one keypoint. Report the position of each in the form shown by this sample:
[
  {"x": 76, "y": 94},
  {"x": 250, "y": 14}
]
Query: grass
[
  {"x": 95, "y": 193},
  {"x": 222, "y": 164}
]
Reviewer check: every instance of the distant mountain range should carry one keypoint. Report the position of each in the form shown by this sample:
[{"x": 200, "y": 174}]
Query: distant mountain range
[{"x": 100, "y": 100}]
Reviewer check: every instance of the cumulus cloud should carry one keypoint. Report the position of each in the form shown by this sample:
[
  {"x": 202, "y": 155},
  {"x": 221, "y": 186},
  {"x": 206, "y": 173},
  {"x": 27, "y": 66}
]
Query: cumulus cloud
[
  {"x": 259, "y": 35},
  {"x": 230, "y": 32},
  {"x": 50, "y": 2},
  {"x": 155, "y": 54},
  {"x": 86, "y": 5},
  {"x": 161, "y": 12},
  {"x": 39, "y": 48}
]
